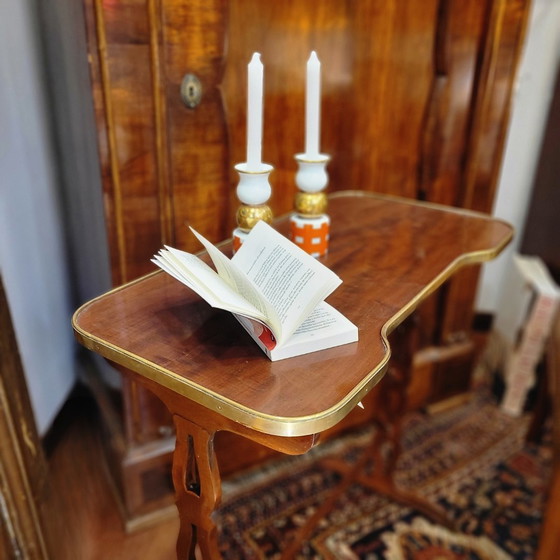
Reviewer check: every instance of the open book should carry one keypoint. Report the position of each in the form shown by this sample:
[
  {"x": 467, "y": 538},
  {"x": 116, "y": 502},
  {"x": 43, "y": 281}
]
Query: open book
[{"x": 274, "y": 288}]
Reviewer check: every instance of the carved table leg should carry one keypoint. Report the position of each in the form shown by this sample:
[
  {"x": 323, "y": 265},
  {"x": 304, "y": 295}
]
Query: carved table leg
[
  {"x": 196, "y": 479},
  {"x": 384, "y": 449},
  {"x": 196, "y": 476}
]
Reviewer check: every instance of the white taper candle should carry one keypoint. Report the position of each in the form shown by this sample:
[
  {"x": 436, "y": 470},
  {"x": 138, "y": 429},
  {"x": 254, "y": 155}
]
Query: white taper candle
[
  {"x": 312, "y": 106},
  {"x": 254, "y": 113}
]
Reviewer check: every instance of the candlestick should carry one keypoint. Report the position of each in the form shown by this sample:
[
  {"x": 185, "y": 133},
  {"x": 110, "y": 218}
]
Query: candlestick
[
  {"x": 253, "y": 191},
  {"x": 254, "y": 113},
  {"x": 310, "y": 225},
  {"x": 312, "y": 104}
]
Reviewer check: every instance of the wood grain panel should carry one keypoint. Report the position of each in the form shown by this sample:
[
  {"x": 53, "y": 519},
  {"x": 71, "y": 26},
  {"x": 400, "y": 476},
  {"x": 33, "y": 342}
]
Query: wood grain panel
[
  {"x": 500, "y": 49},
  {"x": 409, "y": 89},
  {"x": 502, "y": 44},
  {"x": 284, "y": 33},
  {"x": 194, "y": 42},
  {"x": 160, "y": 121},
  {"x": 392, "y": 75},
  {"x": 376, "y": 59},
  {"x": 460, "y": 27},
  {"x": 121, "y": 31}
]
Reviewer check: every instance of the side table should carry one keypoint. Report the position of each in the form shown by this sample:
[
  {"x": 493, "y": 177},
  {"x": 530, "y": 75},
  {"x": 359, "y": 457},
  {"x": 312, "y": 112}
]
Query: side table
[{"x": 391, "y": 254}]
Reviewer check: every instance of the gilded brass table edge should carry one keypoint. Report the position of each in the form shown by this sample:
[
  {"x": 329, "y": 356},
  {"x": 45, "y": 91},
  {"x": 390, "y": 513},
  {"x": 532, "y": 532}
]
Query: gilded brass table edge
[
  {"x": 262, "y": 422},
  {"x": 302, "y": 425},
  {"x": 422, "y": 203}
]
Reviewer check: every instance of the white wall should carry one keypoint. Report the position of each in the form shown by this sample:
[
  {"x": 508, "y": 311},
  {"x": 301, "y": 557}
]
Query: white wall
[
  {"x": 53, "y": 245},
  {"x": 33, "y": 262},
  {"x": 535, "y": 84}
]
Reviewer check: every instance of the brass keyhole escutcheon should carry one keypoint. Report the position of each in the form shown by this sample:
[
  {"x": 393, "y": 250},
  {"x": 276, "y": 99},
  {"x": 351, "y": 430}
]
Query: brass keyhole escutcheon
[{"x": 191, "y": 91}]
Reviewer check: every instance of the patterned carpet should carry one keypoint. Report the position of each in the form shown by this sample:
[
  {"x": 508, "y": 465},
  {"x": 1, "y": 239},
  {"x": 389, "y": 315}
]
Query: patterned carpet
[{"x": 473, "y": 461}]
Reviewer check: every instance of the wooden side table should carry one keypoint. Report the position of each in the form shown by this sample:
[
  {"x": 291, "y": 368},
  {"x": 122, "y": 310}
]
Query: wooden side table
[{"x": 391, "y": 253}]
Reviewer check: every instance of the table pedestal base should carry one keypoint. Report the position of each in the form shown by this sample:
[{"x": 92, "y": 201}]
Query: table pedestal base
[
  {"x": 198, "y": 491},
  {"x": 376, "y": 466},
  {"x": 196, "y": 476}
]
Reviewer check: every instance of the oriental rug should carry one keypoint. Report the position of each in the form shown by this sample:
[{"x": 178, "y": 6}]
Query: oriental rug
[{"x": 473, "y": 461}]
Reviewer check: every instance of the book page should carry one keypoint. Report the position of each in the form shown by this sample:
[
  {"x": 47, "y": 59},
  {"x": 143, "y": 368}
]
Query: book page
[
  {"x": 321, "y": 318},
  {"x": 324, "y": 328},
  {"x": 292, "y": 281},
  {"x": 239, "y": 282},
  {"x": 197, "y": 275}
]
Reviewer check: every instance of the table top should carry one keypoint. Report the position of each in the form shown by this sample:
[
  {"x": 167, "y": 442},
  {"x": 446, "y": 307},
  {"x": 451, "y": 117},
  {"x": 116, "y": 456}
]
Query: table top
[{"x": 391, "y": 253}]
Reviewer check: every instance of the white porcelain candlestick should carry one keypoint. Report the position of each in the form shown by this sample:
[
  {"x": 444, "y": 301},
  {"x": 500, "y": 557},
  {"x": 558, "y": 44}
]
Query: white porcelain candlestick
[
  {"x": 253, "y": 191},
  {"x": 312, "y": 176},
  {"x": 309, "y": 225}
]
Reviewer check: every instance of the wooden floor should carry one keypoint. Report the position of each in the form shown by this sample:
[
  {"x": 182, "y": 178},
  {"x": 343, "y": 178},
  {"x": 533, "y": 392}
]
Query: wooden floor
[{"x": 82, "y": 516}]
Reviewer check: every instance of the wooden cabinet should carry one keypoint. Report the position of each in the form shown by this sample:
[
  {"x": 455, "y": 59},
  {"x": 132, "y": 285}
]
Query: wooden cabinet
[
  {"x": 415, "y": 103},
  {"x": 24, "y": 531}
]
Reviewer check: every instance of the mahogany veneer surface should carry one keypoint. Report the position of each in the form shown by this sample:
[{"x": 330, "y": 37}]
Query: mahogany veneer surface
[{"x": 389, "y": 252}]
